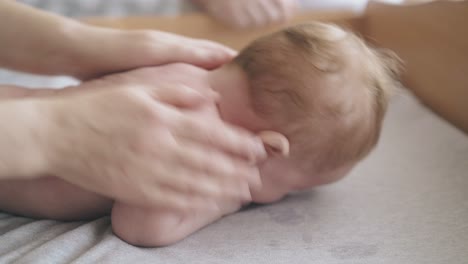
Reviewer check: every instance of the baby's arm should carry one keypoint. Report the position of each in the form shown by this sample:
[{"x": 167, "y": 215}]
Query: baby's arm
[
  {"x": 51, "y": 198},
  {"x": 153, "y": 227}
]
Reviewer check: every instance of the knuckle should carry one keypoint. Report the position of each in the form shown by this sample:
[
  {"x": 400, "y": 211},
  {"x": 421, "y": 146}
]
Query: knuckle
[
  {"x": 148, "y": 112},
  {"x": 226, "y": 166},
  {"x": 181, "y": 203},
  {"x": 190, "y": 125}
]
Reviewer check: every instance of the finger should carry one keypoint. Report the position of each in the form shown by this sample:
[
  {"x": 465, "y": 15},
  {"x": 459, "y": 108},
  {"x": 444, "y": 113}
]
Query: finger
[
  {"x": 214, "y": 45},
  {"x": 188, "y": 181},
  {"x": 220, "y": 135},
  {"x": 254, "y": 13},
  {"x": 195, "y": 184},
  {"x": 272, "y": 11},
  {"x": 205, "y": 54},
  {"x": 238, "y": 17},
  {"x": 281, "y": 9},
  {"x": 214, "y": 167},
  {"x": 287, "y": 7},
  {"x": 156, "y": 191},
  {"x": 247, "y": 195},
  {"x": 174, "y": 48},
  {"x": 180, "y": 95},
  {"x": 223, "y": 11},
  {"x": 269, "y": 11}
]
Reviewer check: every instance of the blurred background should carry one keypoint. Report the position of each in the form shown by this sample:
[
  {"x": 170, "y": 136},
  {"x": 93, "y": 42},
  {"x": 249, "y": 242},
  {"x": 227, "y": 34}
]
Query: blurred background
[
  {"x": 76, "y": 8},
  {"x": 120, "y": 8}
]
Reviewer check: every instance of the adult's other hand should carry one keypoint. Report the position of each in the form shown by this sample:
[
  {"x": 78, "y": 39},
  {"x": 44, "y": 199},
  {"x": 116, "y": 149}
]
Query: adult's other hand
[
  {"x": 249, "y": 13},
  {"x": 136, "y": 144}
]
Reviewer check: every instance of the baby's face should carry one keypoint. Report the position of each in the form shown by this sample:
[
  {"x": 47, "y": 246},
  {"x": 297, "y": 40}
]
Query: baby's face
[{"x": 279, "y": 177}]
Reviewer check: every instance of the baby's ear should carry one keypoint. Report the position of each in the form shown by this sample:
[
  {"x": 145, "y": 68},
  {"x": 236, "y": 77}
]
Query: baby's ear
[{"x": 276, "y": 144}]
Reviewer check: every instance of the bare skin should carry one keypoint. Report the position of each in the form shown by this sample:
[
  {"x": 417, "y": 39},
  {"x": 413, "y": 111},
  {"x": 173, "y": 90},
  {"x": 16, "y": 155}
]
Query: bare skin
[
  {"x": 156, "y": 225},
  {"x": 249, "y": 13},
  {"x": 45, "y": 43},
  {"x": 73, "y": 137}
]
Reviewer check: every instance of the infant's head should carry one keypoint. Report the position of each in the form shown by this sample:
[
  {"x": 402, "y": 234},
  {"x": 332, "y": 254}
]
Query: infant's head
[{"x": 321, "y": 92}]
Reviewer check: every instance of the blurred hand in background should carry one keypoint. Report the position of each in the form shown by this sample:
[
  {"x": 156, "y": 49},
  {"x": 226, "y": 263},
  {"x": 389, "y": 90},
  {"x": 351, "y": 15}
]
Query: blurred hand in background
[{"x": 249, "y": 13}]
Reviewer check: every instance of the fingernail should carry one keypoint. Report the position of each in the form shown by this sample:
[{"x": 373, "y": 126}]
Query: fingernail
[
  {"x": 232, "y": 52},
  {"x": 259, "y": 150},
  {"x": 214, "y": 95}
]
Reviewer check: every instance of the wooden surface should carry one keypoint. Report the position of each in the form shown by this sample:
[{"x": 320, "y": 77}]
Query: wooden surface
[{"x": 431, "y": 38}]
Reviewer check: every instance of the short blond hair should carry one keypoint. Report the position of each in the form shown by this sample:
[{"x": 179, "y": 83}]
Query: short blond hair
[{"x": 324, "y": 88}]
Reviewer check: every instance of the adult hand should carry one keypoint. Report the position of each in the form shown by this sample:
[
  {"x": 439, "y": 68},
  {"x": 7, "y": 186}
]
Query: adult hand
[
  {"x": 125, "y": 143},
  {"x": 105, "y": 51},
  {"x": 249, "y": 13},
  {"x": 45, "y": 43}
]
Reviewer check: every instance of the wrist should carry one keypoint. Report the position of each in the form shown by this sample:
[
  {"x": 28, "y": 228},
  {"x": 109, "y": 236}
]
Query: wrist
[
  {"x": 52, "y": 140},
  {"x": 77, "y": 49},
  {"x": 58, "y": 56},
  {"x": 22, "y": 140},
  {"x": 96, "y": 51},
  {"x": 36, "y": 41}
]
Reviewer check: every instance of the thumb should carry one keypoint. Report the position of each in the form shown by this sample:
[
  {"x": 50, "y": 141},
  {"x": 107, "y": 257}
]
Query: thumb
[
  {"x": 205, "y": 54},
  {"x": 182, "y": 96}
]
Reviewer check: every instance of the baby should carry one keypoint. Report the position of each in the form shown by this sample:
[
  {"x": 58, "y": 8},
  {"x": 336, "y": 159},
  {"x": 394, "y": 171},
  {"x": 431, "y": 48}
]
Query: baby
[{"x": 315, "y": 94}]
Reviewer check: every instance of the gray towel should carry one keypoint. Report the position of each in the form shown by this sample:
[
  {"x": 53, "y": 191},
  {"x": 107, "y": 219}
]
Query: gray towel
[{"x": 406, "y": 203}]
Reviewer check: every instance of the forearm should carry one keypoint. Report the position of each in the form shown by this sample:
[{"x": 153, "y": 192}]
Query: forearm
[
  {"x": 33, "y": 40},
  {"x": 51, "y": 198},
  {"x": 38, "y": 42},
  {"x": 15, "y": 92},
  {"x": 22, "y": 138}
]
